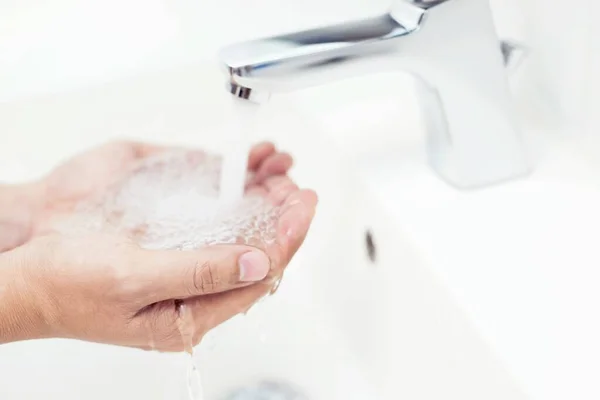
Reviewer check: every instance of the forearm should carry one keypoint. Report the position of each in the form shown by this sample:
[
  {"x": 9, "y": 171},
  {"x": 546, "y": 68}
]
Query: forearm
[{"x": 20, "y": 317}]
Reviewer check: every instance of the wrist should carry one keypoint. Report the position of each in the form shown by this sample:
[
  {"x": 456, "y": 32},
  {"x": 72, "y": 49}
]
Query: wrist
[
  {"x": 21, "y": 314},
  {"x": 19, "y": 207}
]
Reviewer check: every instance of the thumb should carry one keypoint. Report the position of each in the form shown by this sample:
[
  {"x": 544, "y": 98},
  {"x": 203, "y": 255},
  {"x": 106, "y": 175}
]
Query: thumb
[{"x": 174, "y": 274}]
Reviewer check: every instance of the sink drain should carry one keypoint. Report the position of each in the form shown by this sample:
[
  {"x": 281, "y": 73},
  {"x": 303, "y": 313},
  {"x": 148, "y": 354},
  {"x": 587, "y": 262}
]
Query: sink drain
[{"x": 267, "y": 390}]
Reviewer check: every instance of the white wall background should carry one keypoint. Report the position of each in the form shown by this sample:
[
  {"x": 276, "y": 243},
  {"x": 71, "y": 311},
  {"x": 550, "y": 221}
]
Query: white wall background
[{"x": 593, "y": 81}]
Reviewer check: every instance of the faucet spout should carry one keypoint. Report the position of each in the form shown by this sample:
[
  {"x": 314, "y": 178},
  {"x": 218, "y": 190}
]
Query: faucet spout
[
  {"x": 318, "y": 56},
  {"x": 450, "y": 46}
]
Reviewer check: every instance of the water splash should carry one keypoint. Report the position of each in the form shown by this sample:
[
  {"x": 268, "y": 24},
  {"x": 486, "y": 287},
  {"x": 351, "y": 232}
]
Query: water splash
[{"x": 187, "y": 329}]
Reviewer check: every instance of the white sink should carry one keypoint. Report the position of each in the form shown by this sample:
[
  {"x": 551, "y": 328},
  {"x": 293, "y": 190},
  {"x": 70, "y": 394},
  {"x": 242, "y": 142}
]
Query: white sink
[
  {"x": 515, "y": 272},
  {"x": 485, "y": 294}
]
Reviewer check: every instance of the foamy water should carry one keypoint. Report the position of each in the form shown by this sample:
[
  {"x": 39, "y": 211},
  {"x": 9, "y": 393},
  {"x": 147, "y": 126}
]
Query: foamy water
[{"x": 172, "y": 201}]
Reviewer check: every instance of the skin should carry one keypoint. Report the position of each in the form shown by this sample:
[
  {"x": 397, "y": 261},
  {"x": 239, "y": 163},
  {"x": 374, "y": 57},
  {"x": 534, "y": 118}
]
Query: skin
[{"x": 105, "y": 288}]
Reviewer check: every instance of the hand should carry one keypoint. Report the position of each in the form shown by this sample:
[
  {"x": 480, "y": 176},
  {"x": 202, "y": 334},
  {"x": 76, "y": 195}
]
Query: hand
[
  {"x": 94, "y": 171},
  {"x": 29, "y": 210},
  {"x": 107, "y": 289}
]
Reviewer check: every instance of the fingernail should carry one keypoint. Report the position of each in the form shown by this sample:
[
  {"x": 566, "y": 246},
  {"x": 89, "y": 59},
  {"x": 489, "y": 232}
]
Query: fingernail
[{"x": 254, "y": 266}]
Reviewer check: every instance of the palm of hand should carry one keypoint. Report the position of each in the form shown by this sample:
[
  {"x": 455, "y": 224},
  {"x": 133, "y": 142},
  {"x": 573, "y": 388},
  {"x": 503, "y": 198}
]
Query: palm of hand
[
  {"x": 84, "y": 176},
  {"x": 95, "y": 171}
]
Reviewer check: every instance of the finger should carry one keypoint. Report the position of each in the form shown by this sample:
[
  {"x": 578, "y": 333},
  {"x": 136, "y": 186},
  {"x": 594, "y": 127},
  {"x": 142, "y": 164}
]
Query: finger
[
  {"x": 172, "y": 274},
  {"x": 141, "y": 149},
  {"x": 275, "y": 188},
  {"x": 273, "y": 182},
  {"x": 144, "y": 149},
  {"x": 259, "y": 153},
  {"x": 279, "y": 188},
  {"x": 276, "y": 164},
  {"x": 294, "y": 222},
  {"x": 210, "y": 311}
]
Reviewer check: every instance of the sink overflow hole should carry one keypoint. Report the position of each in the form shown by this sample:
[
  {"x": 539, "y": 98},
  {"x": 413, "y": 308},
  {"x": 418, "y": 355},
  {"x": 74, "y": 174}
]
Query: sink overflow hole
[{"x": 370, "y": 245}]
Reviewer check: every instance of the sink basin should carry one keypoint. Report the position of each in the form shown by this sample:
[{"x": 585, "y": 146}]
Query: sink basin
[
  {"x": 468, "y": 294},
  {"x": 520, "y": 262},
  {"x": 405, "y": 287}
]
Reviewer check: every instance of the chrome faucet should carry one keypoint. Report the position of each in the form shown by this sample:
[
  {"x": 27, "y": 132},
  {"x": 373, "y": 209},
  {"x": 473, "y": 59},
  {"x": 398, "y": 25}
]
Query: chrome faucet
[{"x": 451, "y": 46}]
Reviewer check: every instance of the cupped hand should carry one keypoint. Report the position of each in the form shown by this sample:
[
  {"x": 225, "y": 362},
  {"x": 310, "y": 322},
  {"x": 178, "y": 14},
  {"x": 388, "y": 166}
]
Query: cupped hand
[
  {"x": 94, "y": 171},
  {"x": 107, "y": 289}
]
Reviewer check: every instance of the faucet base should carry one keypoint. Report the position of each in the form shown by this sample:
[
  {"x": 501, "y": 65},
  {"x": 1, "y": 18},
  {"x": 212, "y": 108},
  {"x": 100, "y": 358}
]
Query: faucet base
[{"x": 469, "y": 163}]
